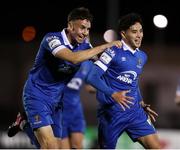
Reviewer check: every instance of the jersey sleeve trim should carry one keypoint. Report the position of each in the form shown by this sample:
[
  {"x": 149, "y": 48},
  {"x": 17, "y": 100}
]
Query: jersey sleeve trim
[
  {"x": 101, "y": 65},
  {"x": 57, "y": 49}
]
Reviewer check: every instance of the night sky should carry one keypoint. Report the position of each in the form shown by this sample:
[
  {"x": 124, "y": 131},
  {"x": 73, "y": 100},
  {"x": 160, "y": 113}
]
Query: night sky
[{"x": 50, "y": 15}]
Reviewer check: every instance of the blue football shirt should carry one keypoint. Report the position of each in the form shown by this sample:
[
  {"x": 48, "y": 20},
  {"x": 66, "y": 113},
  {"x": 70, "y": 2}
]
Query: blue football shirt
[
  {"x": 122, "y": 68},
  {"x": 50, "y": 74}
]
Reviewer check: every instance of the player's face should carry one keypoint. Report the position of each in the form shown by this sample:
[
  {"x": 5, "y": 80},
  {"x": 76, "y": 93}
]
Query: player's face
[
  {"x": 133, "y": 36},
  {"x": 80, "y": 30}
]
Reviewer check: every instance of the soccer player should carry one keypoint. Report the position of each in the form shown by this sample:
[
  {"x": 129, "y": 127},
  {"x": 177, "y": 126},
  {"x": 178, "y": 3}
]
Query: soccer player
[
  {"x": 73, "y": 118},
  {"x": 115, "y": 75},
  {"x": 58, "y": 58}
]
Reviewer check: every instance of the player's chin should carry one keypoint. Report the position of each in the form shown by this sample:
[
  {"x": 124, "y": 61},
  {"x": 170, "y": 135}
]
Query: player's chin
[
  {"x": 80, "y": 40},
  {"x": 137, "y": 45}
]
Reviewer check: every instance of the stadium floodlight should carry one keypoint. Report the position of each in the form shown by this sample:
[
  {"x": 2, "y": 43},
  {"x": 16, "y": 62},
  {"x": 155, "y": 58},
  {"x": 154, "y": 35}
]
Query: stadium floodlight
[{"x": 160, "y": 21}]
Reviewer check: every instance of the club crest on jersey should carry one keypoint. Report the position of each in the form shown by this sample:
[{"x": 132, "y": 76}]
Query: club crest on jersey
[
  {"x": 37, "y": 119},
  {"x": 139, "y": 63}
]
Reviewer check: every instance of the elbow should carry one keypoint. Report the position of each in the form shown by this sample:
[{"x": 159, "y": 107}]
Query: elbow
[{"x": 75, "y": 62}]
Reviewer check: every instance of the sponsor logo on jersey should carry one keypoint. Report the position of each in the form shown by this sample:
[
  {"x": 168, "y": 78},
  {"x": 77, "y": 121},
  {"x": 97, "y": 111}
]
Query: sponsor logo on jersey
[
  {"x": 127, "y": 76},
  {"x": 124, "y": 79}
]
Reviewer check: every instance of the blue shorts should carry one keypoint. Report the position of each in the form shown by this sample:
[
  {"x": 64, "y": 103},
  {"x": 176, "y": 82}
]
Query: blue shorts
[
  {"x": 41, "y": 110},
  {"x": 113, "y": 123},
  {"x": 73, "y": 120}
]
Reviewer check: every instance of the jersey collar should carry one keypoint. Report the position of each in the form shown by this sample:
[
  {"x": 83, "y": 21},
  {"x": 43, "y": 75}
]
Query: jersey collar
[
  {"x": 126, "y": 47},
  {"x": 65, "y": 39}
]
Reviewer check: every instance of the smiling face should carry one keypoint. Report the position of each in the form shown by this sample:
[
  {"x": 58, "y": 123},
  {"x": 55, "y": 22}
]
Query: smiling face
[
  {"x": 78, "y": 30},
  {"x": 133, "y": 35}
]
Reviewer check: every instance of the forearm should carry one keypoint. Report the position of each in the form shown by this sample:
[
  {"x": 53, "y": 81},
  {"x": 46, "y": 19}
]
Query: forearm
[
  {"x": 88, "y": 54},
  {"x": 94, "y": 78},
  {"x": 80, "y": 56}
]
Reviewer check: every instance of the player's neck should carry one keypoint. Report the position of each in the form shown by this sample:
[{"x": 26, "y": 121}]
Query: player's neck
[{"x": 70, "y": 38}]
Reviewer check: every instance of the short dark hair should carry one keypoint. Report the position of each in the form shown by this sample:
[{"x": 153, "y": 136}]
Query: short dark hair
[
  {"x": 128, "y": 20},
  {"x": 80, "y": 13}
]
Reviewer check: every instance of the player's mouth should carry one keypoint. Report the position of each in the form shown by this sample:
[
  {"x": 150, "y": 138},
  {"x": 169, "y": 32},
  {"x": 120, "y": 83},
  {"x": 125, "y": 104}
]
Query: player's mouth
[
  {"x": 138, "y": 42},
  {"x": 80, "y": 38}
]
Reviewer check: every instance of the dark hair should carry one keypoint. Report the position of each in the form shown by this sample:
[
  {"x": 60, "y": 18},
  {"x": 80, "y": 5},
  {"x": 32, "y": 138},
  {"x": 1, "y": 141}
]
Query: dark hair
[
  {"x": 128, "y": 20},
  {"x": 80, "y": 13}
]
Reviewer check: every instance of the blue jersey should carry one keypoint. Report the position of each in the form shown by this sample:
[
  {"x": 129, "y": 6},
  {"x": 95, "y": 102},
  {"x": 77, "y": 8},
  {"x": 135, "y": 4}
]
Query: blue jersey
[
  {"x": 49, "y": 73},
  {"x": 48, "y": 77},
  {"x": 118, "y": 69},
  {"x": 122, "y": 68}
]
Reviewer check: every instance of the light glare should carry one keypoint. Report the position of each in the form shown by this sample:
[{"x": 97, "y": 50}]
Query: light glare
[
  {"x": 110, "y": 35},
  {"x": 160, "y": 21}
]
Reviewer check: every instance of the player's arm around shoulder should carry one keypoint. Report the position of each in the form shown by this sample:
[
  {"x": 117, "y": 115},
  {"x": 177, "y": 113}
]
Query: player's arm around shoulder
[{"x": 79, "y": 56}]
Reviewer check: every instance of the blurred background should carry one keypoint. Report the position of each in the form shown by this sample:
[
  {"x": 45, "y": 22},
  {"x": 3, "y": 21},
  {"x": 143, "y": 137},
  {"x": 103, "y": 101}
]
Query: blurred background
[{"x": 24, "y": 23}]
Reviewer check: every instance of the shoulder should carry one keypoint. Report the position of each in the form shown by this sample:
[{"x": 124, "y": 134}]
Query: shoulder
[
  {"x": 143, "y": 53},
  {"x": 52, "y": 36},
  {"x": 114, "y": 51},
  {"x": 52, "y": 40}
]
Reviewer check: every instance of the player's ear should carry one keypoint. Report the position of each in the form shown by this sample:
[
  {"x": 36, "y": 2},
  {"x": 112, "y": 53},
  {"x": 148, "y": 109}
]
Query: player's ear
[
  {"x": 123, "y": 35},
  {"x": 70, "y": 25}
]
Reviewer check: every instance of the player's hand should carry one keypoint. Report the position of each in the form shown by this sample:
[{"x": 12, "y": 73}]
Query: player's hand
[
  {"x": 116, "y": 43},
  {"x": 122, "y": 99},
  {"x": 151, "y": 113}
]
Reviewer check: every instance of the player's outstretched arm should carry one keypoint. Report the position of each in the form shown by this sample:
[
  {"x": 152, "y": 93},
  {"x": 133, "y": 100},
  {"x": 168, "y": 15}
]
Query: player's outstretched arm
[{"x": 80, "y": 56}]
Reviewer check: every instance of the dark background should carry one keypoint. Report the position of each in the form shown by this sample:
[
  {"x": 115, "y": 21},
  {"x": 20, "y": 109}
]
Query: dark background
[
  {"x": 158, "y": 83},
  {"x": 50, "y": 15}
]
